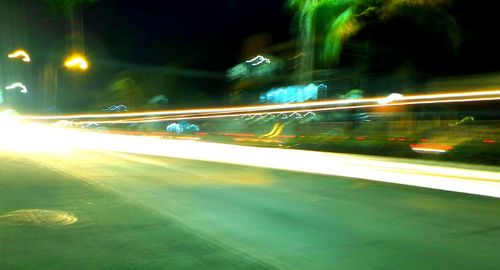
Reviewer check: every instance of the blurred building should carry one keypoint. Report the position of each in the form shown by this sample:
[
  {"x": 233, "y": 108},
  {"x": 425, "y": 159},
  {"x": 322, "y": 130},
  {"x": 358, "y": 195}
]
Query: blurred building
[{"x": 253, "y": 78}]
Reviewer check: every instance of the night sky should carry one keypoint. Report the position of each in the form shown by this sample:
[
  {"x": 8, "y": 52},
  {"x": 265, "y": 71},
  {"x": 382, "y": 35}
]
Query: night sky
[
  {"x": 209, "y": 34},
  {"x": 201, "y": 34}
]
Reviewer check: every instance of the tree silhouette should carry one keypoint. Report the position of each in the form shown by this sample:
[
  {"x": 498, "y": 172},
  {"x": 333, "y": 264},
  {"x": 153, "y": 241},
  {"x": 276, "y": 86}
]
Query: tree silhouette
[
  {"x": 339, "y": 20},
  {"x": 64, "y": 7}
]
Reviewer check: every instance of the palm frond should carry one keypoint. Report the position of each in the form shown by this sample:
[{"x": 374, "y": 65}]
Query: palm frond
[{"x": 343, "y": 27}]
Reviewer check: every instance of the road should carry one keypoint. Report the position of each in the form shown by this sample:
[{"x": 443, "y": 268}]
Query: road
[{"x": 142, "y": 212}]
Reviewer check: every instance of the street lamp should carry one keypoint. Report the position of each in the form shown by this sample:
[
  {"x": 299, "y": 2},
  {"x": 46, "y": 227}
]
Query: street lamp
[
  {"x": 20, "y": 54},
  {"x": 76, "y": 61}
]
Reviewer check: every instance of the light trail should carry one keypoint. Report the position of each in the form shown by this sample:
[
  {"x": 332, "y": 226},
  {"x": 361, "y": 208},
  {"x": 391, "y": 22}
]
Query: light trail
[
  {"x": 77, "y": 61},
  {"x": 187, "y": 117},
  {"x": 29, "y": 138},
  {"x": 431, "y": 148},
  {"x": 22, "y": 88},
  {"x": 196, "y": 111},
  {"x": 260, "y": 59},
  {"x": 314, "y": 106},
  {"x": 390, "y": 98},
  {"x": 20, "y": 53}
]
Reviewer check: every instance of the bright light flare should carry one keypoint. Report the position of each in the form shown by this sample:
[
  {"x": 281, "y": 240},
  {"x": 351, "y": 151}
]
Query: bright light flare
[
  {"x": 7, "y": 117},
  {"x": 17, "y": 136},
  {"x": 253, "y": 115},
  {"x": 390, "y": 98},
  {"x": 76, "y": 62},
  {"x": 20, "y": 54}
]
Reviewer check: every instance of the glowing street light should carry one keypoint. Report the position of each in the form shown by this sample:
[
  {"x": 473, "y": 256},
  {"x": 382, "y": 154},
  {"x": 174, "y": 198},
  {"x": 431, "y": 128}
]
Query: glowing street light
[
  {"x": 19, "y": 85},
  {"x": 76, "y": 62},
  {"x": 20, "y": 54}
]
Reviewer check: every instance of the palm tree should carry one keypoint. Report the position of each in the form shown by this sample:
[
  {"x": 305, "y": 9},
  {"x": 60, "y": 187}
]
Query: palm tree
[
  {"x": 72, "y": 10},
  {"x": 64, "y": 7},
  {"x": 130, "y": 88},
  {"x": 339, "y": 20}
]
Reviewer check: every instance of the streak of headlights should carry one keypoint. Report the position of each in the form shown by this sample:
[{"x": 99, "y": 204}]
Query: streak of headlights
[
  {"x": 306, "y": 106},
  {"x": 225, "y": 115},
  {"x": 31, "y": 138}
]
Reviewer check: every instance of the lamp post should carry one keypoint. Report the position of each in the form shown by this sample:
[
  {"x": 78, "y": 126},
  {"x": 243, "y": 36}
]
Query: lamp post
[
  {"x": 307, "y": 36},
  {"x": 75, "y": 62}
]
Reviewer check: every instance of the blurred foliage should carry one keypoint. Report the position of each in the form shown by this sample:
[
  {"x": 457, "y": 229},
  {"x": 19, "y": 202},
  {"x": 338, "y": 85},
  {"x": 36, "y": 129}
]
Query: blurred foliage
[
  {"x": 353, "y": 94},
  {"x": 339, "y": 20},
  {"x": 62, "y": 7},
  {"x": 128, "y": 91}
]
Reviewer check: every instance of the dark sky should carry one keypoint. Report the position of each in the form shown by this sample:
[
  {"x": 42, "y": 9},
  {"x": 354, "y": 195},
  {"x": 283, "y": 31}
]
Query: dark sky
[
  {"x": 208, "y": 35},
  {"x": 199, "y": 33}
]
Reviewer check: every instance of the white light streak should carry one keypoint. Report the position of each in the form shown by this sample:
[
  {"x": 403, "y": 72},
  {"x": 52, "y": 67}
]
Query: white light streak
[
  {"x": 391, "y": 98},
  {"x": 19, "y": 85},
  {"x": 259, "y": 59},
  {"x": 22, "y": 137}
]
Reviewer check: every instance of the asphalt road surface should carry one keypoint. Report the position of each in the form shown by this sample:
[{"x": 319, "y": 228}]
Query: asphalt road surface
[{"x": 104, "y": 210}]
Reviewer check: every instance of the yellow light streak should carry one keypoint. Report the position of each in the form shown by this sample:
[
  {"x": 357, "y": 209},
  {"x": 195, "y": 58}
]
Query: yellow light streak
[
  {"x": 277, "y": 132},
  {"x": 294, "y": 107},
  {"x": 273, "y": 130},
  {"x": 186, "y": 117},
  {"x": 257, "y": 140},
  {"x": 76, "y": 62},
  {"x": 195, "y": 111},
  {"x": 390, "y": 98},
  {"x": 20, "y": 53}
]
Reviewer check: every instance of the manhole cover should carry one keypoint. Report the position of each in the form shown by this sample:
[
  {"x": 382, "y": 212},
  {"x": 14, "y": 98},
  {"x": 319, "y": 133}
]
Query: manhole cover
[{"x": 39, "y": 217}]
